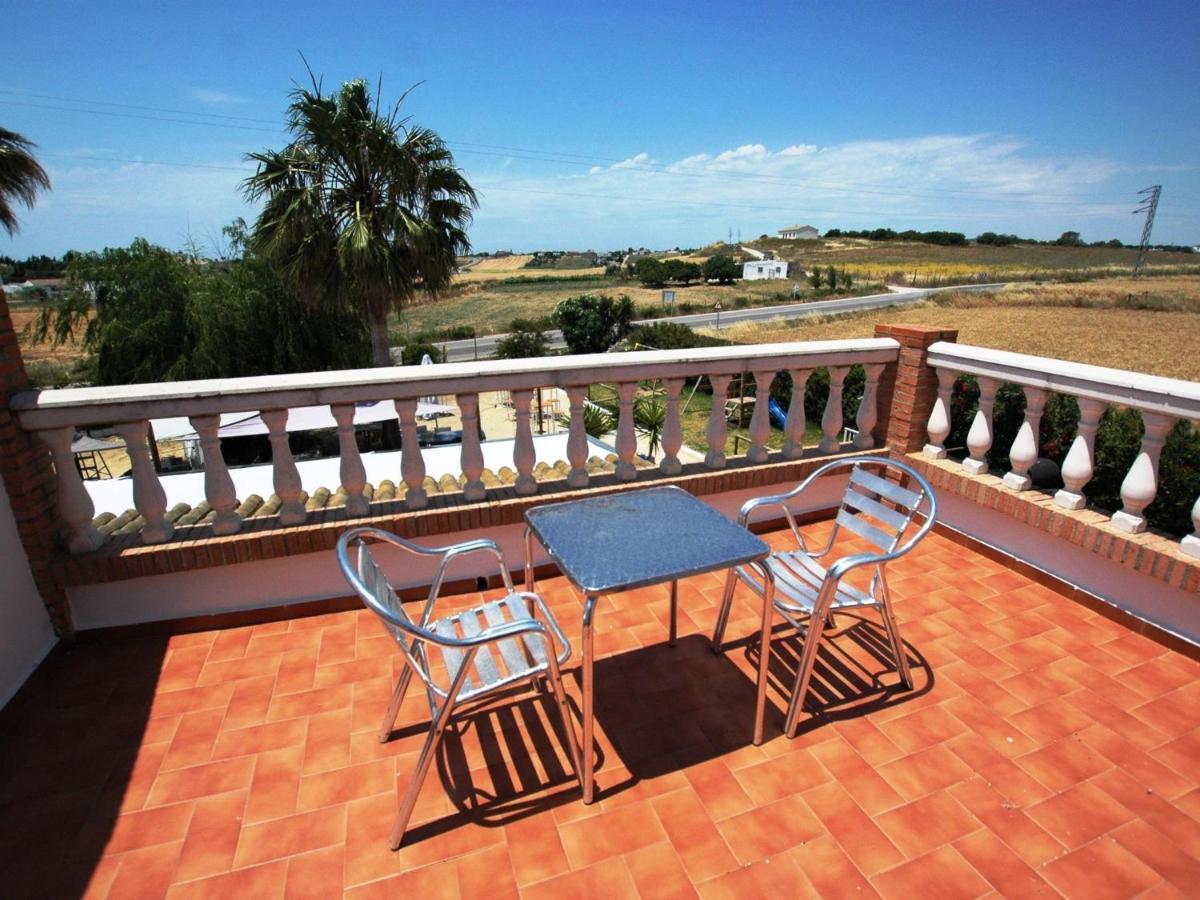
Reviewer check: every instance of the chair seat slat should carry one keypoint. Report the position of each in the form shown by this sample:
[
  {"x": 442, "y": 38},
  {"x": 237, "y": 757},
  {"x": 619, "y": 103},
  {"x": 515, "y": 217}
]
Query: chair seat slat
[
  {"x": 885, "y": 488},
  {"x": 511, "y": 651},
  {"x": 534, "y": 644},
  {"x": 485, "y": 666},
  {"x": 452, "y": 655}
]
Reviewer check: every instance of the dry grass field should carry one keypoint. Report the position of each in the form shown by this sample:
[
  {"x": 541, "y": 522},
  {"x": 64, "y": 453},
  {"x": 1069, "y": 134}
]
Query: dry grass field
[
  {"x": 503, "y": 263},
  {"x": 1083, "y": 323},
  {"x": 24, "y": 314}
]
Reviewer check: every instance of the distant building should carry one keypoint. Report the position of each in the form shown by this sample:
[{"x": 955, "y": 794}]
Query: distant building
[
  {"x": 799, "y": 233},
  {"x": 762, "y": 269}
]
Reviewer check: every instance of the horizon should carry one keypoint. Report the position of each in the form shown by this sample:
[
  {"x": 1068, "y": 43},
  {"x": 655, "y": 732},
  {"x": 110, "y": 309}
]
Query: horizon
[{"x": 632, "y": 127}]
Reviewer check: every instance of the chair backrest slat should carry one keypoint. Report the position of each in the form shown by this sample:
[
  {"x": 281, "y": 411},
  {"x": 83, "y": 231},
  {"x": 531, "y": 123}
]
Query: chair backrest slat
[
  {"x": 864, "y": 529},
  {"x": 381, "y": 592},
  {"x": 894, "y": 492},
  {"x": 875, "y": 509}
]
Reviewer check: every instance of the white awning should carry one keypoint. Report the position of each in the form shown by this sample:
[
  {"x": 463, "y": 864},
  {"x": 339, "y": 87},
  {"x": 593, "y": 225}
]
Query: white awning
[{"x": 311, "y": 418}]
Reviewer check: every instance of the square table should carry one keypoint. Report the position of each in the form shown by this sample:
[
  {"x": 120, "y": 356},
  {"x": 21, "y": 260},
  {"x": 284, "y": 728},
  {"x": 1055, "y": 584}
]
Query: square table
[{"x": 617, "y": 542}]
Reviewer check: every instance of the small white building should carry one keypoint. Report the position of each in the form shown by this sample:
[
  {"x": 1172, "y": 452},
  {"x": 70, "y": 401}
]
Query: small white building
[
  {"x": 762, "y": 269},
  {"x": 799, "y": 233}
]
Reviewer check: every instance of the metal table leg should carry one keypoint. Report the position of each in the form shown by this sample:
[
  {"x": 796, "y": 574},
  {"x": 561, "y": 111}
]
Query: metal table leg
[
  {"x": 674, "y": 611},
  {"x": 764, "y": 651},
  {"x": 530, "y": 584},
  {"x": 589, "y": 752}
]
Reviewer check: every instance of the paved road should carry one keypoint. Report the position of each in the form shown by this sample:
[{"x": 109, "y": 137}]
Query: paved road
[{"x": 484, "y": 347}]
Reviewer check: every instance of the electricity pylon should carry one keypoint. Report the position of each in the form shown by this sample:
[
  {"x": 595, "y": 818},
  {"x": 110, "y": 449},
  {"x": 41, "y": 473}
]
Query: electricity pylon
[{"x": 1149, "y": 205}]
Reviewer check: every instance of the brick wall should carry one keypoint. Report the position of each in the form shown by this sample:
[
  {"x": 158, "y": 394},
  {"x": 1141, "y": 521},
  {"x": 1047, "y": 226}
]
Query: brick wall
[
  {"x": 907, "y": 392},
  {"x": 29, "y": 479}
]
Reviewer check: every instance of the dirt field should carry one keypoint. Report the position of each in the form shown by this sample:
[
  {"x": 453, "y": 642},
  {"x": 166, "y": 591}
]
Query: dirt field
[
  {"x": 474, "y": 275},
  {"x": 24, "y": 314}
]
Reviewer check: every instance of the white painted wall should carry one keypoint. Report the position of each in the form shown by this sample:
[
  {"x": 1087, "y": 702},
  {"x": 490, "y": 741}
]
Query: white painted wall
[
  {"x": 765, "y": 269},
  {"x": 26, "y": 635}
]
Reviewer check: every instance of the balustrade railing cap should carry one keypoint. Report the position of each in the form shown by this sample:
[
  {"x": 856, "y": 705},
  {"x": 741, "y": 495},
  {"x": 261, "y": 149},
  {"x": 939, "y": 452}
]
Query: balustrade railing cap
[
  {"x": 1119, "y": 387},
  {"x": 103, "y": 405}
]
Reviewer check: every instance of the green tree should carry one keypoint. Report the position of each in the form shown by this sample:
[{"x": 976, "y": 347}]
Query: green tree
[
  {"x": 682, "y": 271},
  {"x": 1069, "y": 239},
  {"x": 831, "y": 278},
  {"x": 21, "y": 177},
  {"x": 814, "y": 278},
  {"x": 591, "y": 323},
  {"x": 651, "y": 272},
  {"x": 721, "y": 269},
  {"x": 523, "y": 341},
  {"x": 362, "y": 209}
]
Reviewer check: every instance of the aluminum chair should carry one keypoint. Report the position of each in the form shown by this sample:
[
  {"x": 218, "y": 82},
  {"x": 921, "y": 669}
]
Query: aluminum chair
[
  {"x": 518, "y": 626},
  {"x": 807, "y": 593}
]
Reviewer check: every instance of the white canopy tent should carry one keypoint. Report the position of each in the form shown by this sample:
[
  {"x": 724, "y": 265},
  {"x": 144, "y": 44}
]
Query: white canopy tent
[{"x": 301, "y": 418}]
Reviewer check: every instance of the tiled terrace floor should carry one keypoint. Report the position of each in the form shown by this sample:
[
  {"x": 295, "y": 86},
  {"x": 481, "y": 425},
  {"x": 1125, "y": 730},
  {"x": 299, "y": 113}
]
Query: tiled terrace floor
[{"x": 1045, "y": 749}]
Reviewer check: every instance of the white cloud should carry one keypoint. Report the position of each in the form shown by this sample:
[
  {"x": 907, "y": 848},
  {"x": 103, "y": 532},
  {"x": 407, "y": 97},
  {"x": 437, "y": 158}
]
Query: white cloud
[{"x": 218, "y": 98}]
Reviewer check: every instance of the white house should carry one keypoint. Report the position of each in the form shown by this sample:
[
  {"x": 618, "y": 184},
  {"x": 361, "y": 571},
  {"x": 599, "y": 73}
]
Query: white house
[
  {"x": 799, "y": 233},
  {"x": 760, "y": 269}
]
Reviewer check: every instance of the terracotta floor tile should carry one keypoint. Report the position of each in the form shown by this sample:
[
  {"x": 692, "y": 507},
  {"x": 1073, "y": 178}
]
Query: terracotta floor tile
[
  {"x": 315, "y": 875},
  {"x": 1160, "y": 675},
  {"x": 342, "y": 785},
  {"x": 767, "y": 830},
  {"x": 855, "y": 831},
  {"x": 829, "y": 870},
  {"x": 922, "y": 729},
  {"x": 1051, "y": 720},
  {"x": 1183, "y": 830},
  {"x": 658, "y": 872},
  {"x": 1064, "y": 763},
  {"x": 1158, "y": 852},
  {"x": 256, "y": 881},
  {"x": 535, "y": 850},
  {"x": 700, "y": 846},
  {"x": 1026, "y": 838},
  {"x": 260, "y": 738},
  {"x": 999, "y": 771},
  {"x": 192, "y": 743},
  {"x": 146, "y": 872},
  {"x": 718, "y": 789},
  {"x": 622, "y": 830},
  {"x": 774, "y": 779},
  {"x": 865, "y": 784},
  {"x": 778, "y": 876},
  {"x": 291, "y": 835},
  {"x": 610, "y": 879},
  {"x": 487, "y": 873},
  {"x": 1079, "y": 814},
  {"x": 927, "y": 824},
  {"x": 924, "y": 772},
  {"x": 212, "y": 836},
  {"x": 199, "y": 781},
  {"x": 942, "y": 873},
  {"x": 134, "y": 830},
  {"x": 1003, "y": 869},
  {"x": 1101, "y": 869}
]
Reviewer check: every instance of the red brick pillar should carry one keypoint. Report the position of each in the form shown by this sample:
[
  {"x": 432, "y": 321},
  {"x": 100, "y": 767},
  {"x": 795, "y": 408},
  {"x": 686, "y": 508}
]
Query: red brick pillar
[
  {"x": 29, "y": 481},
  {"x": 907, "y": 391}
]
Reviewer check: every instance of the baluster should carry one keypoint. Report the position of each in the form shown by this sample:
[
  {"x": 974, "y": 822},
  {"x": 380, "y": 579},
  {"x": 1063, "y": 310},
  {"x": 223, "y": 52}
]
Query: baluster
[
  {"x": 286, "y": 476},
  {"x": 868, "y": 408},
  {"x": 1191, "y": 542},
  {"x": 1141, "y": 483},
  {"x": 1024, "y": 451},
  {"x": 472, "y": 454},
  {"x": 577, "y": 438},
  {"x": 831, "y": 421},
  {"x": 412, "y": 464},
  {"x": 760, "y": 419},
  {"x": 979, "y": 438},
  {"x": 218, "y": 486},
  {"x": 793, "y": 432},
  {"x": 148, "y": 495},
  {"x": 352, "y": 472},
  {"x": 715, "y": 458},
  {"x": 672, "y": 433},
  {"x": 524, "y": 456},
  {"x": 939, "y": 416},
  {"x": 626, "y": 438},
  {"x": 1077, "y": 467},
  {"x": 75, "y": 506}
]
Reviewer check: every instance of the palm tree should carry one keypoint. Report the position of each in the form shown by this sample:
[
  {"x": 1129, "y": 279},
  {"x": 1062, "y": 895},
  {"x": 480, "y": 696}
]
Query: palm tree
[
  {"x": 362, "y": 209},
  {"x": 20, "y": 177}
]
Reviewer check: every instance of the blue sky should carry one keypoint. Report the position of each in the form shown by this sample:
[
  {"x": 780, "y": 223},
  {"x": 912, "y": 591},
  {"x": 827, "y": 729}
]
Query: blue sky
[{"x": 607, "y": 125}]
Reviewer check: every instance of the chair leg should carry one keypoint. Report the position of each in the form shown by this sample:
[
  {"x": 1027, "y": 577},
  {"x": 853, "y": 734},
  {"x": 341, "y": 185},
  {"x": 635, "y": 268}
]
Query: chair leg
[
  {"x": 723, "y": 613},
  {"x": 564, "y": 710},
  {"x": 808, "y": 661},
  {"x": 893, "y": 632},
  {"x": 389, "y": 718}
]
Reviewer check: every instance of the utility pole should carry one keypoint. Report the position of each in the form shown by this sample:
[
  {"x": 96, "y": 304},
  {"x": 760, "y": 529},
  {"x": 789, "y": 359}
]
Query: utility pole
[{"x": 1149, "y": 205}]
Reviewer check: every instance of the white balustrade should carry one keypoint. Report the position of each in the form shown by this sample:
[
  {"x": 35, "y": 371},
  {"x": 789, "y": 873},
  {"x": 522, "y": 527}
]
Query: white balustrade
[
  {"x": 626, "y": 436},
  {"x": 672, "y": 433},
  {"x": 524, "y": 456},
  {"x": 979, "y": 438},
  {"x": 1141, "y": 481},
  {"x": 939, "y": 416},
  {"x": 793, "y": 431},
  {"x": 149, "y": 498},
  {"x": 577, "y": 439},
  {"x": 286, "y": 476},
  {"x": 353, "y": 473},
  {"x": 1191, "y": 542},
  {"x": 412, "y": 464},
  {"x": 831, "y": 421},
  {"x": 218, "y": 486},
  {"x": 868, "y": 408},
  {"x": 760, "y": 419},
  {"x": 715, "y": 458},
  {"x": 472, "y": 454},
  {"x": 74, "y": 503},
  {"x": 1024, "y": 451},
  {"x": 1077, "y": 468}
]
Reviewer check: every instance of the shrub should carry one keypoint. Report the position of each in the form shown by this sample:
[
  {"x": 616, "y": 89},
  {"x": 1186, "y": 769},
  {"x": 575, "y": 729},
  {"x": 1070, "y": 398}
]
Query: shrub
[
  {"x": 651, "y": 272},
  {"x": 523, "y": 341},
  {"x": 591, "y": 323},
  {"x": 721, "y": 268}
]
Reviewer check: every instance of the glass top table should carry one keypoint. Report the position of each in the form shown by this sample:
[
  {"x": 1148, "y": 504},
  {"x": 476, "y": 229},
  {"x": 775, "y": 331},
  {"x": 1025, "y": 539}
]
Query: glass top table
[{"x": 618, "y": 542}]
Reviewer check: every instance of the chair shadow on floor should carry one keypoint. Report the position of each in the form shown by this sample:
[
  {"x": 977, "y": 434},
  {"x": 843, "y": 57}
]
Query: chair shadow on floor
[{"x": 658, "y": 710}]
